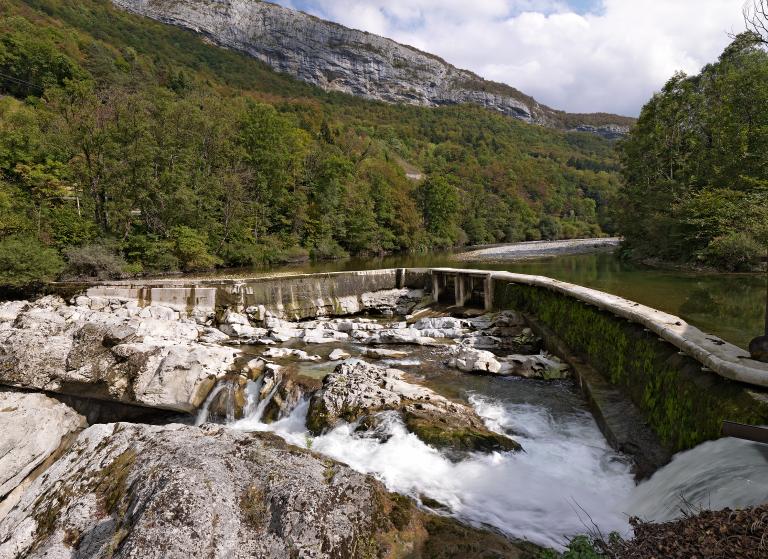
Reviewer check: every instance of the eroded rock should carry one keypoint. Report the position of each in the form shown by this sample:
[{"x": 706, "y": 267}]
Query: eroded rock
[
  {"x": 100, "y": 354},
  {"x": 471, "y": 360},
  {"x": 354, "y": 391},
  {"x": 33, "y": 428},
  {"x": 168, "y": 492}
]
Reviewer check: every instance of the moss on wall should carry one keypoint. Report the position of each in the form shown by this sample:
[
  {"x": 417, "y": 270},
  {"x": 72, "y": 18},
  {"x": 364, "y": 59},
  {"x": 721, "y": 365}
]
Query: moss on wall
[{"x": 683, "y": 404}]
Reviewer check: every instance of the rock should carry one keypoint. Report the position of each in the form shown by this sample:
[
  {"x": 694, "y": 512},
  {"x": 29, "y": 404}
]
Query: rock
[
  {"x": 120, "y": 334},
  {"x": 337, "y": 58},
  {"x": 355, "y": 324},
  {"x": 34, "y": 427},
  {"x": 150, "y": 362},
  {"x": 404, "y": 336},
  {"x": 213, "y": 336},
  {"x": 440, "y": 323},
  {"x": 231, "y": 317},
  {"x": 324, "y": 336},
  {"x": 282, "y": 352},
  {"x": 10, "y": 310},
  {"x": 255, "y": 367},
  {"x": 168, "y": 492},
  {"x": 471, "y": 360},
  {"x": 338, "y": 355},
  {"x": 354, "y": 391},
  {"x": 283, "y": 335},
  {"x": 542, "y": 366},
  {"x": 381, "y": 353},
  {"x": 242, "y": 331}
]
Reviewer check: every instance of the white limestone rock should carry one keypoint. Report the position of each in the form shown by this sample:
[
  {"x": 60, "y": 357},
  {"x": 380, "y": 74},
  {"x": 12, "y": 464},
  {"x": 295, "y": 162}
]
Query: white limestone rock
[
  {"x": 471, "y": 360},
  {"x": 338, "y": 355},
  {"x": 33, "y": 428},
  {"x": 282, "y": 352}
]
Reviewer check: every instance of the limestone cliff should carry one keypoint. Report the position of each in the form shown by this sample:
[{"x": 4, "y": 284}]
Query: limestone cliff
[{"x": 337, "y": 58}]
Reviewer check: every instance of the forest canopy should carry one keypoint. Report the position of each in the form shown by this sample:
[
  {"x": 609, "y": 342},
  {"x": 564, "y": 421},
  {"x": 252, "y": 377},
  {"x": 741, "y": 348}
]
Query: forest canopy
[
  {"x": 128, "y": 147},
  {"x": 696, "y": 165}
]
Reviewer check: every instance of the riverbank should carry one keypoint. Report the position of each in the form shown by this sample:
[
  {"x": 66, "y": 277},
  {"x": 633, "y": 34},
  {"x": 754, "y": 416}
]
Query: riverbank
[{"x": 538, "y": 249}]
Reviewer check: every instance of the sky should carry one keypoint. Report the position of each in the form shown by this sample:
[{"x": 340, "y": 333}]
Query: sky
[{"x": 575, "y": 55}]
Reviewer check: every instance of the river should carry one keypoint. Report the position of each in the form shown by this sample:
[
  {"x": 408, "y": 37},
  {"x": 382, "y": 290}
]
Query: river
[
  {"x": 730, "y": 306},
  {"x": 568, "y": 480}
]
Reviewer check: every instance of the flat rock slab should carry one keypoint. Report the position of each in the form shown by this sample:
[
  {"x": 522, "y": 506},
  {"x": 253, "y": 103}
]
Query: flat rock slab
[{"x": 33, "y": 428}]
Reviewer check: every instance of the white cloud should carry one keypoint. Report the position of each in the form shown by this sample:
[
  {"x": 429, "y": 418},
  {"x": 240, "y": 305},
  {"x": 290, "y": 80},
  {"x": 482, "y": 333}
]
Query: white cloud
[{"x": 609, "y": 59}]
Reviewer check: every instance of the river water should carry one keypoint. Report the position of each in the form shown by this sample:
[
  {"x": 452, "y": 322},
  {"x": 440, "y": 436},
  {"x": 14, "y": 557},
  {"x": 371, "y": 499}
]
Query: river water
[
  {"x": 568, "y": 480},
  {"x": 730, "y": 306}
]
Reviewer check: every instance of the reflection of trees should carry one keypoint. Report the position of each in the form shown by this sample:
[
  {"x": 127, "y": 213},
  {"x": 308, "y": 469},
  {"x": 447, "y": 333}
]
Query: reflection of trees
[{"x": 731, "y": 307}]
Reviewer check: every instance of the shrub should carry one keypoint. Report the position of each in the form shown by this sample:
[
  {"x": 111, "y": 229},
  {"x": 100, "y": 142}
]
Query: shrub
[
  {"x": 328, "y": 250},
  {"x": 152, "y": 254},
  {"x": 191, "y": 248},
  {"x": 25, "y": 261},
  {"x": 734, "y": 252},
  {"x": 95, "y": 261},
  {"x": 294, "y": 255}
]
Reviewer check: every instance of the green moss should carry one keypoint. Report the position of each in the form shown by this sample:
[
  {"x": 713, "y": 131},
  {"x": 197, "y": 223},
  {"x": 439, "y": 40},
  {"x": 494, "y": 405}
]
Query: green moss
[
  {"x": 467, "y": 439},
  {"x": 253, "y": 506},
  {"x": 683, "y": 404}
]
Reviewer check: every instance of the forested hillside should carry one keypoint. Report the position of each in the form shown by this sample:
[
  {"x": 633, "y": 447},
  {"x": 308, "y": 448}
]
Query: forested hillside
[
  {"x": 128, "y": 146},
  {"x": 696, "y": 165}
]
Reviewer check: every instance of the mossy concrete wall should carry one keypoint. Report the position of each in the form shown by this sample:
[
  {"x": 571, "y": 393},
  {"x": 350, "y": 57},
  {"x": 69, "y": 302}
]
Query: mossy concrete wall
[{"x": 683, "y": 402}]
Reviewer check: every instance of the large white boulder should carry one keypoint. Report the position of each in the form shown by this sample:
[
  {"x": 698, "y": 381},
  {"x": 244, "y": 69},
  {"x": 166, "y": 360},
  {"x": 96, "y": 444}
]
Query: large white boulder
[
  {"x": 33, "y": 428},
  {"x": 471, "y": 360}
]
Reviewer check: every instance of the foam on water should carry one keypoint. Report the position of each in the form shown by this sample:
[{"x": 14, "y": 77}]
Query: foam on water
[
  {"x": 714, "y": 475},
  {"x": 566, "y": 475}
]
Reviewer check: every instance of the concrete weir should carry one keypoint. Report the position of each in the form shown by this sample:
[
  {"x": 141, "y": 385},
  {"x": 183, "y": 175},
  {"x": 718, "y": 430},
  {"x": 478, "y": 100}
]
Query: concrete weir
[{"x": 676, "y": 379}]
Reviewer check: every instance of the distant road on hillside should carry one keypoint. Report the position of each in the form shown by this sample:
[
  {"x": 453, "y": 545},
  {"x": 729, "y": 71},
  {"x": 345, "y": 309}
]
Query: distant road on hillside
[{"x": 538, "y": 249}]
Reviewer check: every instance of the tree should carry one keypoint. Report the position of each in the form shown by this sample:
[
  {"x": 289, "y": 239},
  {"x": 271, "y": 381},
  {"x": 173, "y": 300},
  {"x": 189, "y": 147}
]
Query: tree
[{"x": 756, "y": 20}]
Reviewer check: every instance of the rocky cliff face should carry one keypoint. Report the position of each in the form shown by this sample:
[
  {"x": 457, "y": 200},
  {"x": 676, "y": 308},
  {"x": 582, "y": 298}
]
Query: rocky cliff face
[{"x": 337, "y": 58}]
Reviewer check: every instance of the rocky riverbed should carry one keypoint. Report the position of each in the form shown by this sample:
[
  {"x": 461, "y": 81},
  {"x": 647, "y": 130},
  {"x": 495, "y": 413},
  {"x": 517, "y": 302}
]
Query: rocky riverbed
[
  {"x": 399, "y": 431},
  {"x": 136, "y": 483}
]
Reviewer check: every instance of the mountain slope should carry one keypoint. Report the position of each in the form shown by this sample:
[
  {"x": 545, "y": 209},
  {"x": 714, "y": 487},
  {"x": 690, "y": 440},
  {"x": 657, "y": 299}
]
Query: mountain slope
[
  {"x": 126, "y": 139},
  {"x": 337, "y": 58}
]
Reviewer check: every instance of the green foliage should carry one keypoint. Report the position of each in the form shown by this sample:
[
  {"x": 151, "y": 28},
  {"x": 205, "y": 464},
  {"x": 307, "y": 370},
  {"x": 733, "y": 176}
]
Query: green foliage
[
  {"x": 96, "y": 261},
  {"x": 191, "y": 249},
  {"x": 580, "y": 547},
  {"x": 25, "y": 261},
  {"x": 734, "y": 252},
  {"x": 695, "y": 163},
  {"x": 183, "y": 155}
]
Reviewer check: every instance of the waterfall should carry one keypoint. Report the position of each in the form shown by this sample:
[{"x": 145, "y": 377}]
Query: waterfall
[
  {"x": 714, "y": 475},
  {"x": 258, "y": 413},
  {"x": 252, "y": 392},
  {"x": 202, "y": 416}
]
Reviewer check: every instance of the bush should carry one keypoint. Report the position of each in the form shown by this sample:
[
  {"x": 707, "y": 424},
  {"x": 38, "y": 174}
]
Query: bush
[
  {"x": 191, "y": 248},
  {"x": 152, "y": 254},
  {"x": 95, "y": 261},
  {"x": 294, "y": 255},
  {"x": 25, "y": 261},
  {"x": 734, "y": 252},
  {"x": 328, "y": 250}
]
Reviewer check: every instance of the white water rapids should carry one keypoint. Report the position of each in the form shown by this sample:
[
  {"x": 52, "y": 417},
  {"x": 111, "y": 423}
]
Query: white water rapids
[
  {"x": 567, "y": 481},
  {"x": 540, "y": 495}
]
